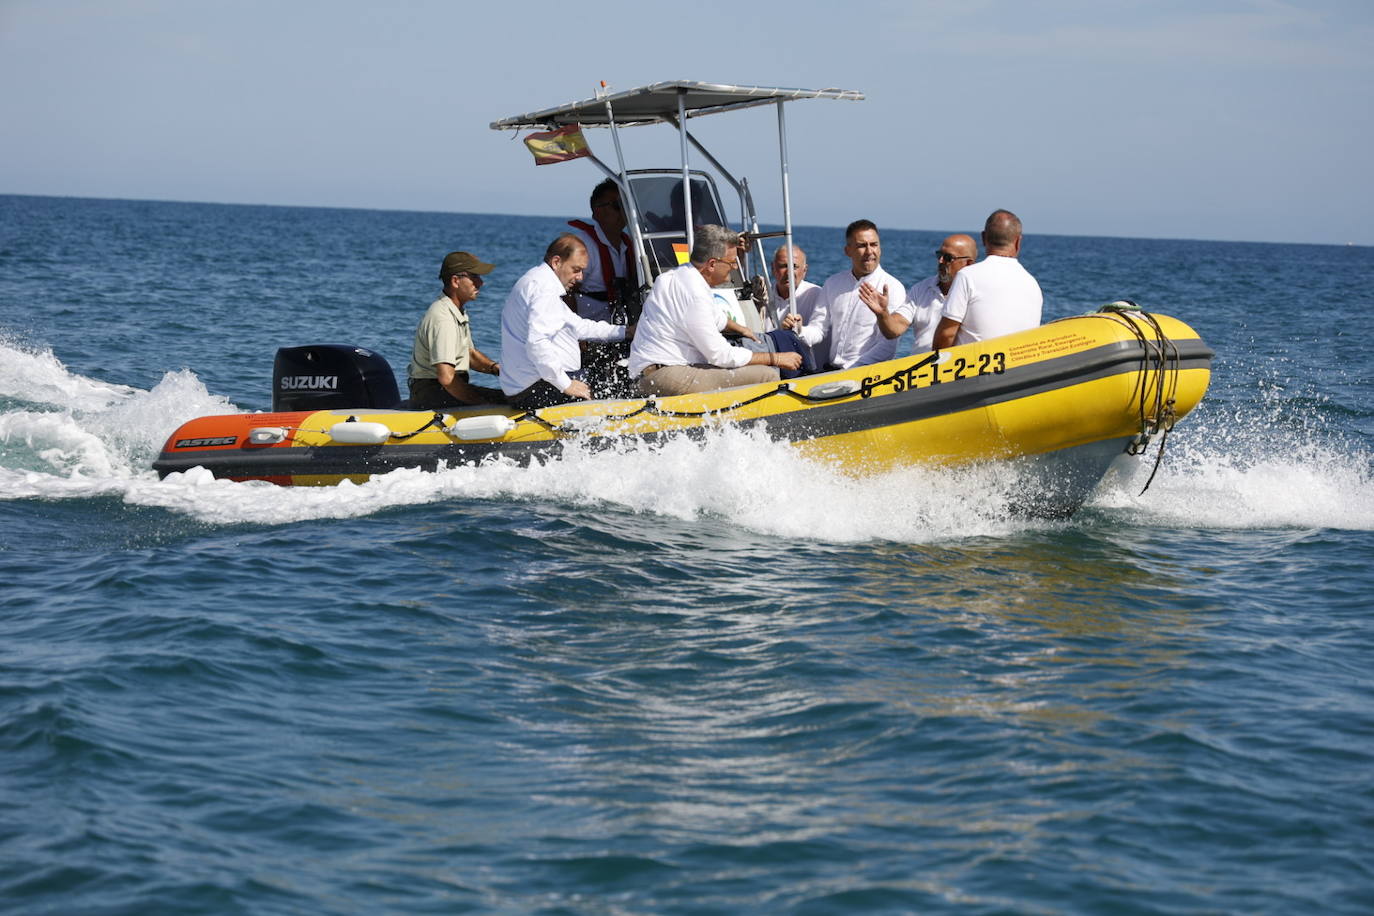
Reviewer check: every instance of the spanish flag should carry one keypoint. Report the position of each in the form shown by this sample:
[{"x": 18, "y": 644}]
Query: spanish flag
[{"x": 558, "y": 145}]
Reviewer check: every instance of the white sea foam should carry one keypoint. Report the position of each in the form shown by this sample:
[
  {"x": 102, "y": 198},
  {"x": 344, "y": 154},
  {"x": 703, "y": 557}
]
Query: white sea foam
[
  {"x": 748, "y": 481},
  {"x": 71, "y": 436},
  {"x": 104, "y": 442},
  {"x": 1208, "y": 484},
  {"x": 734, "y": 475},
  {"x": 38, "y": 377}
]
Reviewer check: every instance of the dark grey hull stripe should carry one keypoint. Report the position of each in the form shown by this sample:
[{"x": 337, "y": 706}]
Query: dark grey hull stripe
[
  {"x": 883, "y": 409},
  {"x": 974, "y": 392}
]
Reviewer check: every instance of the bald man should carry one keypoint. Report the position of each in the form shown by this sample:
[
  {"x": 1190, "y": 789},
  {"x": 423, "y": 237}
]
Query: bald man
[
  {"x": 802, "y": 306},
  {"x": 997, "y": 295},
  {"x": 926, "y": 300}
]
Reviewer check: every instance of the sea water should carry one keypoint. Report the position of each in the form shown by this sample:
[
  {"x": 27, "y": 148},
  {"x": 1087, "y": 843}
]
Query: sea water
[{"x": 704, "y": 677}]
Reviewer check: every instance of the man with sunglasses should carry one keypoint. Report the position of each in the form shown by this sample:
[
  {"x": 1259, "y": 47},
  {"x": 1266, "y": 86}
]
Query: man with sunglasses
[
  {"x": 444, "y": 352},
  {"x": 926, "y": 298},
  {"x": 610, "y": 266},
  {"x": 678, "y": 346},
  {"x": 997, "y": 295}
]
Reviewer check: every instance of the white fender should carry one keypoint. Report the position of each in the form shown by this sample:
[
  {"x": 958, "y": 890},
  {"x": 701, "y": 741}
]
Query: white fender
[
  {"x": 491, "y": 426},
  {"x": 354, "y": 433}
]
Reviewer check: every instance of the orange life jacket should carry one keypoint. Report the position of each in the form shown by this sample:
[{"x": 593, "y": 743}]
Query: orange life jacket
[{"x": 607, "y": 265}]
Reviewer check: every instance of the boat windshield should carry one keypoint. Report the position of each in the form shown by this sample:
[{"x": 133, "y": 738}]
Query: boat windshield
[{"x": 659, "y": 196}]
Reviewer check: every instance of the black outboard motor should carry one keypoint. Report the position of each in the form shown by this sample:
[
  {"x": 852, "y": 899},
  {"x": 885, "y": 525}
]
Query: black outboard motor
[{"x": 324, "y": 376}]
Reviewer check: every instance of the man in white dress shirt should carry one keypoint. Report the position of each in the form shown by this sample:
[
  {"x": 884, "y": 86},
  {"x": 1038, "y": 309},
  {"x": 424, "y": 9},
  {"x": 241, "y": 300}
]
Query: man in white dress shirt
[
  {"x": 852, "y": 302},
  {"x": 997, "y": 295},
  {"x": 678, "y": 347},
  {"x": 926, "y": 300},
  {"x": 803, "y": 307},
  {"x": 540, "y": 357}
]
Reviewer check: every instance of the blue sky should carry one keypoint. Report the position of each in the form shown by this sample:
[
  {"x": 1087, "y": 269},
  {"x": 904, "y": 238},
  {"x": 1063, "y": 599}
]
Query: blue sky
[{"x": 1250, "y": 119}]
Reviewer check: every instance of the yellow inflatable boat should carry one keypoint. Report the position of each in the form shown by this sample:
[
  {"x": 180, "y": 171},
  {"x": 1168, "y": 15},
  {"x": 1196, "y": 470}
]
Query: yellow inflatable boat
[{"x": 1067, "y": 400}]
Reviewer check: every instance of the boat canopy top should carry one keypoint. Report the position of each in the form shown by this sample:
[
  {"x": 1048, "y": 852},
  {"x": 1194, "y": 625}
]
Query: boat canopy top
[
  {"x": 662, "y": 240},
  {"x": 660, "y": 103}
]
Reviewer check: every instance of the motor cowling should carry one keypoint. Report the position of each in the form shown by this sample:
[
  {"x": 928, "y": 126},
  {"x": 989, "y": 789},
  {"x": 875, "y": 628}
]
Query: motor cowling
[{"x": 324, "y": 376}]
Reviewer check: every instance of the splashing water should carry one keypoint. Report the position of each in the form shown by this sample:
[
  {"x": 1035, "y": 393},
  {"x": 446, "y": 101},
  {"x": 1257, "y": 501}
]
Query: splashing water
[
  {"x": 64, "y": 435},
  {"x": 71, "y": 437}
]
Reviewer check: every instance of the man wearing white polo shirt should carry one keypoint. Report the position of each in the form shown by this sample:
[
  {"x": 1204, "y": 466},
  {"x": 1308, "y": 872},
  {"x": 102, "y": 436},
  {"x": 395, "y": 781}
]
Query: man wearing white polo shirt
[
  {"x": 803, "y": 303},
  {"x": 997, "y": 295}
]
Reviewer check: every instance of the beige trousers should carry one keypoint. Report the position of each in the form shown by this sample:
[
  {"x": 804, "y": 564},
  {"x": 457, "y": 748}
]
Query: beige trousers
[{"x": 689, "y": 379}]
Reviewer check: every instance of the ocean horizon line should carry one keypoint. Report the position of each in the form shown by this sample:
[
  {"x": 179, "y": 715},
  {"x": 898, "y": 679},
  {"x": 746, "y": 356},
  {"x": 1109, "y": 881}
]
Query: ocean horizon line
[{"x": 974, "y": 231}]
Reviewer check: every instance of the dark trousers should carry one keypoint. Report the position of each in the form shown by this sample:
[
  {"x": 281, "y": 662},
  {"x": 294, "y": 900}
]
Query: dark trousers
[
  {"x": 428, "y": 394},
  {"x": 541, "y": 394},
  {"x": 785, "y": 341}
]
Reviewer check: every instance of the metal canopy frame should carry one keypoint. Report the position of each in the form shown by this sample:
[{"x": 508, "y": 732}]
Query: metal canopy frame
[
  {"x": 658, "y": 104},
  {"x": 673, "y": 103}
]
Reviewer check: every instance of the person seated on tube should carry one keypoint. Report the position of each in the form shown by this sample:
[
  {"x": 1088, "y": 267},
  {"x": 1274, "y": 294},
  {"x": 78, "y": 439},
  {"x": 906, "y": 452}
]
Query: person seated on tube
[
  {"x": 780, "y": 300},
  {"x": 443, "y": 352},
  {"x": 925, "y": 299},
  {"x": 731, "y": 320},
  {"x": 678, "y": 346},
  {"x": 997, "y": 295},
  {"x": 540, "y": 333},
  {"x": 848, "y": 309}
]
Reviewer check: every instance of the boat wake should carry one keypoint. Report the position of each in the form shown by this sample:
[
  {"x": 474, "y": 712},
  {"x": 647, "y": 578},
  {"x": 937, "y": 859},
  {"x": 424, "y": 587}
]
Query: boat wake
[
  {"x": 1224, "y": 475},
  {"x": 63, "y": 436}
]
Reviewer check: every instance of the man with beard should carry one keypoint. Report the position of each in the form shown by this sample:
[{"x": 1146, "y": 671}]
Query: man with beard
[
  {"x": 852, "y": 300},
  {"x": 927, "y": 298}
]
